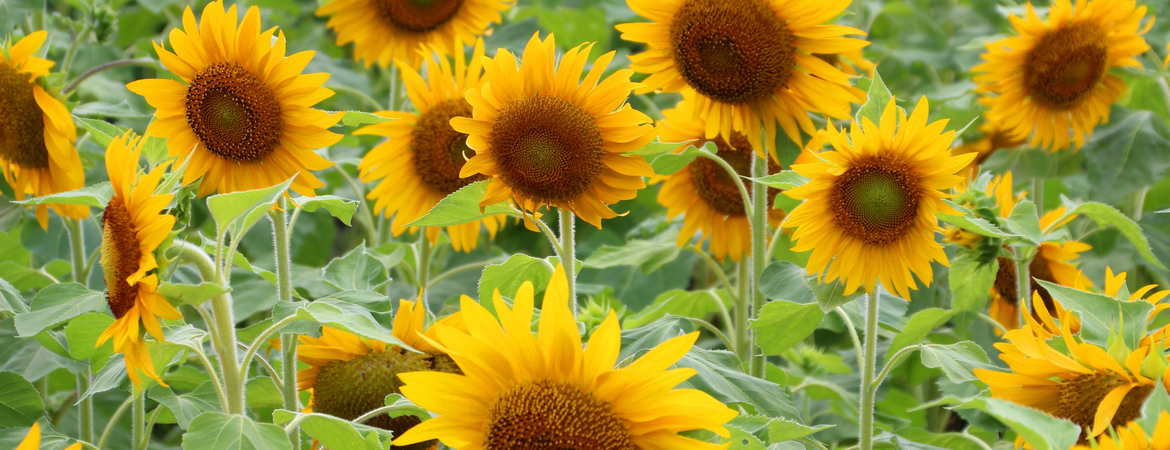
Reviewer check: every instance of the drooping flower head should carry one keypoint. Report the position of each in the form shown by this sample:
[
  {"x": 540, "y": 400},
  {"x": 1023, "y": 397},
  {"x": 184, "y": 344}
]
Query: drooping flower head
[
  {"x": 548, "y": 391},
  {"x": 37, "y": 133},
  {"x": 751, "y": 62},
  {"x": 1051, "y": 81},
  {"x": 546, "y": 137},
  {"x": 420, "y": 163},
  {"x": 870, "y": 206},
  {"x": 705, "y": 192},
  {"x": 407, "y": 30},
  {"x": 133, "y": 226},
  {"x": 243, "y": 114}
]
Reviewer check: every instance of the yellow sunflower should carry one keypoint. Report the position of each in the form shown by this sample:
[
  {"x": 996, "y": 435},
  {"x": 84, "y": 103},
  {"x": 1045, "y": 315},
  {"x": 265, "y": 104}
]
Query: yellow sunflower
[
  {"x": 243, "y": 114},
  {"x": 349, "y": 376},
  {"x": 420, "y": 163},
  {"x": 523, "y": 391},
  {"x": 545, "y": 138},
  {"x": 408, "y": 30},
  {"x": 132, "y": 228},
  {"x": 36, "y": 132},
  {"x": 705, "y": 192},
  {"x": 870, "y": 206},
  {"x": 32, "y": 441},
  {"x": 1133, "y": 437},
  {"x": 1051, "y": 80},
  {"x": 751, "y": 62},
  {"x": 995, "y": 137}
]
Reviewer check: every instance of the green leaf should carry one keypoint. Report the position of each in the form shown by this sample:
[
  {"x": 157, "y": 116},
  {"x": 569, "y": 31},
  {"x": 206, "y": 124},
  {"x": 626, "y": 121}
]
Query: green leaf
[
  {"x": 359, "y": 118},
  {"x": 669, "y": 163},
  {"x": 342, "y": 315},
  {"x": 1130, "y": 152},
  {"x": 101, "y": 131},
  {"x": 50, "y": 438},
  {"x": 99, "y": 109},
  {"x": 877, "y": 99},
  {"x": 781, "y": 430},
  {"x": 82, "y": 334},
  {"x": 971, "y": 282},
  {"x": 190, "y": 294},
  {"x": 742, "y": 439},
  {"x": 782, "y": 324},
  {"x": 462, "y": 206},
  {"x": 57, "y": 304},
  {"x": 718, "y": 374},
  {"x": 187, "y": 407},
  {"x": 917, "y": 328},
  {"x": 1099, "y": 315},
  {"x": 97, "y": 196},
  {"x": 956, "y": 360},
  {"x": 641, "y": 339},
  {"x": 648, "y": 255},
  {"x": 334, "y": 432},
  {"x": 357, "y": 270},
  {"x": 1041, "y": 430},
  {"x": 832, "y": 294},
  {"x": 404, "y": 407},
  {"x": 508, "y": 277},
  {"x": 1024, "y": 222},
  {"x": 10, "y": 299},
  {"x": 340, "y": 207},
  {"x": 657, "y": 148},
  {"x": 785, "y": 179},
  {"x": 155, "y": 151},
  {"x": 970, "y": 222},
  {"x": 783, "y": 280},
  {"x": 1106, "y": 215},
  {"x": 228, "y": 209},
  {"x": 696, "y": 304},
  {"x": 1157, "y": 403},
  {"x": 20, "y": 403},
  {"x": 212, "y": 430}
]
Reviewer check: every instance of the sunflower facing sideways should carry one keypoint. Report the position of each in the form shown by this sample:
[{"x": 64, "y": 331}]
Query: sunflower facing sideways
[
  {"x": 419, "y": 165},
  {"x": 517, "y": 390},
  {"x": 36, "y": 132},
  {"x": 242, "y": 118},
  {"x": 349, "y": 376},
  {"x": 705, "y": 192},
  {"x": 406, "y": 30},
  {"x": 547, "y": 138},
  {"x": 870, "y": 206},
  {"x": 132, "y": 228},
  {"x": 751, "y": 62},
  {"x": 1051, "y": 81}
]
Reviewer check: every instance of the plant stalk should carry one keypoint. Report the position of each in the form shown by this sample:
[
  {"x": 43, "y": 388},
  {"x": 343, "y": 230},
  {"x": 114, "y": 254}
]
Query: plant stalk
[
  {"x": 569, "y": 255},
  {"x": 85, "y": 414},
  {"x": 138, "y": 420},
  {"x": 742, "y": 313},
  {"x": 280, "y": 236},
  {"x": 759, "y": 226},
  {"x": 424, "y": 264},
  {"x": 1023, "y": 286},
  {"x": 868, "y": 363},
  {"x": 81, "y": 275}
]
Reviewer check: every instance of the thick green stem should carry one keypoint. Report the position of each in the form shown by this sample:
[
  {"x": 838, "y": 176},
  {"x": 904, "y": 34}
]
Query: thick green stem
[
  {"x": 85, "y": 424},
  {"x": 1038, "y": 195},
  {"x": 81, "y": 275},
  {"x": 424, "y": 264},
  {"x": 223, "y": 325},
  {"x": 569, "y": 255},
  {"x": 280, "y": 235},
  {"x": 288, "y": 369},
  {"x": 868, "y": 363},
  {"x": 1023, "y": 286},
  {"x": 759, "y": 224},
  {"x": 138, "y": 421},
  {"x": 742, "y": 311},
  {"x": 77, "y": 250},
  {"x": 1138, "y": 203},
  {"x": 113, "y": 421}
]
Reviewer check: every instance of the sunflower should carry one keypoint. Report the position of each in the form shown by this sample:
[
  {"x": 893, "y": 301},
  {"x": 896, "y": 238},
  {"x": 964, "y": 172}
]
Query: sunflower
[
  {"x": 36, "y": 132},
  {"x": 32, "y": 441},
  {"x": 870, "y": 206},
  {"x": 751, "y": 62},
  {"x": 242, "y": 117},
  {"x": 704, "y": 191},
  {"x": 420, "y": 163},
  {"x": 1053, "y": 77},
  {"x": 995, "y": 138},
  {"x": 546, "y": 391},
  {"x": 349, "y": 376},
  {"x": 1133, "y": 437},
  {"x": 408, "y": 30},
  {"x": 545, "y": 139},
  {"x": 132, "y": 228}
]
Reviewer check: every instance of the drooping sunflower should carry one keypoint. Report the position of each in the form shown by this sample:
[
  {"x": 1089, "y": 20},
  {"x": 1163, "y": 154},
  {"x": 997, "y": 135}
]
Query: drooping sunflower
[
  {"x": 1133, "y": 437},
  {"x": 349, "y": 376},
  {"x": 705, "y": 192},
  {"x": 420, "y": 163},
  {"x": 546, "y": 139},
  {"x": 243, "y": 114},
  {"x": 870, "y": 206},
  {"x": 36, "y": 132},
  {"x": 132, "y": 228},
  {"x": 1051, "y": 81},
  {"x": 32, "y": 441},
  {"x": 547, "y": 391},
  {"x": 408, "y": 30},
  {"x": 751, "y": 62}
]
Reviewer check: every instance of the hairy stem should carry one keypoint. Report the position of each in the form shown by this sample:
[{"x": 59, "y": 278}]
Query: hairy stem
[
  {"x": 113, "y": 421},
  {"x": 81, "y": 275},
  {"x": 1023, "y": 285},
  {"x": 86, "y": 413},
  {"x": 280, "y": 236},
  {"x": 424, "y": 264},
  {"x": 869, "y": 361},
  {"x": 742, "y": 312},
  {"x": 759, "y": 224},
  {"x": 569, "y": 255},
  {"x": 138, "y": 421}
]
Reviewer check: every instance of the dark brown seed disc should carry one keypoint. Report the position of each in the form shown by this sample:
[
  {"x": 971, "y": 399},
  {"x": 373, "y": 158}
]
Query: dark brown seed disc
[
  {"x": 418, "y": 15},
  {"x": 733, "y": 51},
  {"x": 1080, "y": 397},
  {"x": 1066, "y": 65},
  {"x": 547, "y": 149},
  {"x": 233, "y": 113},
  {"x": 120, "y": 256},
  {"x": 715, "y": 186},
  {"x": 439, "y": 150},
  {"x": 22, "y": 124},
  {"x": 876, "y": 200},
  {"x": 1005, "y": 281},
  {"x": 551, "y": 415}
]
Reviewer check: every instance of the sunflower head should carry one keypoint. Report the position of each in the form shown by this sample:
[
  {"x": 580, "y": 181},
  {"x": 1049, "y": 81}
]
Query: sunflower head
[
  {"x": 995, "y": 138},
  {"x": 37, "y": 133},
  {"x": 870, "y": 206},
  {"x": 242, "y": 117},
  {"x": 1133, "y": 437},
  {"x": 1052, "y": 81},
  {"x": 547, "y": 138},
  {"x": 550, "y": 392}
]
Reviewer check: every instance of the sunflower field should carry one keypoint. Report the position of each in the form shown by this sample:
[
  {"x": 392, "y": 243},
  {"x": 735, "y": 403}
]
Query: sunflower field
[{"x": 584, "y": 224}]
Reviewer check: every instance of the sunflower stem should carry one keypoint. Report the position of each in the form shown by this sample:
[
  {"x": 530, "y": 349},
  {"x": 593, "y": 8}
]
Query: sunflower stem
[
  {"x": 150, "y": 425},
  {"x": 86, "y": 413},
  {"x": 1038, "y": 196},
  {"x": 868, "y": 363},
  {"x": 113, "y": 421},
  {"x": 1023, "y": 285},
  {"x": 568, "y": 255},
  {"x": 138, "y": 420},
  {"x": 759, "y": 225},
  {"x": 424, "y": 264},
  {"x": 223, "y": 334},
  {"x": 742, "y": 302},
  {"x": 288, "y": 348},
  {"x": 145, "y": 62},
  {"x": 77, "y": 249}
]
